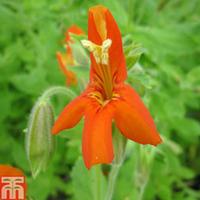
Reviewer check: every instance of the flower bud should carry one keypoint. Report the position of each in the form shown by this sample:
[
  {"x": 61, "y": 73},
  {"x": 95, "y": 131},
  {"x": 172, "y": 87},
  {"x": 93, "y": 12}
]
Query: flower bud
[{"x": 39, "y": 140}]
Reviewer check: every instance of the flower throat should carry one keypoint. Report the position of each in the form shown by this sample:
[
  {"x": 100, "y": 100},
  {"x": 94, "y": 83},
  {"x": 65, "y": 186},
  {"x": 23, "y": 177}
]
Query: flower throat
[{"x": 103, "y": 70}]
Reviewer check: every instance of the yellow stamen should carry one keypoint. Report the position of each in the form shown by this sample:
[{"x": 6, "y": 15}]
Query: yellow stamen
[
  {"x": 97, "y": 96},
  {"x": 100, "y": 52},
  {"x": 101, "y": 55}
]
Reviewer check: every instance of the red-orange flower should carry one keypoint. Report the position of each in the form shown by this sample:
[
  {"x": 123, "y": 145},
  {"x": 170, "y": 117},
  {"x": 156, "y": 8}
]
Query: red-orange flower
[
  {"x": 107, "y": 98},
  {"x": 7, "y": 170},
  {"x": 67, "y": 59}
]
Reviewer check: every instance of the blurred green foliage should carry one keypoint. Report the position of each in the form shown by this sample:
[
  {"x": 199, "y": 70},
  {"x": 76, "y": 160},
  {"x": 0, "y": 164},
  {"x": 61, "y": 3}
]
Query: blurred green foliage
[{"x": 167, "y": 76}]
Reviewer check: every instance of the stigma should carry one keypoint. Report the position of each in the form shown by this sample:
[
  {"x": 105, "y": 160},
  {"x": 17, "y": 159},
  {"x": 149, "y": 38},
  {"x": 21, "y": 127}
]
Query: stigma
[{"x": 100, "y": 52}]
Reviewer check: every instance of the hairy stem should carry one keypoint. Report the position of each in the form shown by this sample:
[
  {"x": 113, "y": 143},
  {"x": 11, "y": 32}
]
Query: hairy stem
[
  {"x": 112, "y": 180},
  {"x": 58, "y": 90},
  {"x": 97, "y": 183},
  {"x": 120, "y": 147}
]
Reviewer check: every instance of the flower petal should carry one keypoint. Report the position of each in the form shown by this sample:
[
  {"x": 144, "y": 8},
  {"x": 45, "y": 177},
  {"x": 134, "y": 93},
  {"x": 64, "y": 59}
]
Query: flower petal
[
  {"x": 97, "y": 135},
  {"x": 132, "y": 98},
  {"x": 102, "y": 26},
  {"x": 71, "y": 115},
  {"x": 7, "y": 170},
  {"x": 133, "y": 118},
  {"x": 96, "y": 25},
  {"x": 64, "y": 61},
  {"x": 116, "y": 54},
  {"x": 75, "y": 30}
]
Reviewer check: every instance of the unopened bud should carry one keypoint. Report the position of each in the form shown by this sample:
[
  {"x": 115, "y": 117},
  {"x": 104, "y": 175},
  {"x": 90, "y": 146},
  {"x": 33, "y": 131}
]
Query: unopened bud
[{"x": 39, "y": 140}]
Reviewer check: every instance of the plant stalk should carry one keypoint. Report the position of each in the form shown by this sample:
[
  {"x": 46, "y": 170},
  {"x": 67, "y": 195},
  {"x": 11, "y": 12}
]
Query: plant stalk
[
  {"x": 112, "y": 180},
  {"x": 58, "y": 90},
  {"x": 98, "y": 183}
]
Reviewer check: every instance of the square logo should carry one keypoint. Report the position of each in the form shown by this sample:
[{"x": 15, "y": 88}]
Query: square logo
[
  {"x": 12, "y": 188},
  {"x": 12, "y": 183}
]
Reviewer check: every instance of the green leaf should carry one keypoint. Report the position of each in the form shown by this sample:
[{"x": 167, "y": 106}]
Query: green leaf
[
  {"x": 194, "y": 76},
  {"x": 31, "y": 83},
  {"x": 88, "y": 183},
  {"x": 188, "y": 129}
]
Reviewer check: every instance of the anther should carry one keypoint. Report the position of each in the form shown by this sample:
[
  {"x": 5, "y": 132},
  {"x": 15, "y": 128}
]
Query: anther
[{"x": 100, "y": 52}]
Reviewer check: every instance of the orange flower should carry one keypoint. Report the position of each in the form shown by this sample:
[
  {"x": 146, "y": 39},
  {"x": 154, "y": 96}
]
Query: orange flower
[
  {"x": 66, "y": 59},
  {"x": 107, "y": 98},
  {"x": 7, "y": 170}
]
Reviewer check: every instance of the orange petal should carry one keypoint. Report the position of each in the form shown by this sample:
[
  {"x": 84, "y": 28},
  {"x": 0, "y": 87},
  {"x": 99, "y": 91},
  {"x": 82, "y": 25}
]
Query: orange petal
[
  {"x": 133, "y": 118},
  {"x": 71, "y": 115},
  {"x": 101, "y": 26},
  {"x": 73, "y": 29},
  {"x": 97, "y": 31},
  {"x": 63, "y": 61},
  {"x": 77, "y": 31},
  {"x": 7, "y": 170},
  {"x": 132, "y": 98},
  {"x": 97, "y": 135},
  {"x": 116, "y": 54}
]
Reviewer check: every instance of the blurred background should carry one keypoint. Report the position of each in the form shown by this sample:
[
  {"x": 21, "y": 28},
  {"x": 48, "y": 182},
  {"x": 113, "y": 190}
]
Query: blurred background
[{"x": 167, "y": 76}]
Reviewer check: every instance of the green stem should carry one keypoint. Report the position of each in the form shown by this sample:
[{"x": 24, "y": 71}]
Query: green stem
[
  {"x": 142, "y": 190},
  {"x": 120, "y": 147},
  {"x": 58, "y": 90},
  {"x": 143, "y": 170},
  {"x": 97, "y": 182},
  {"x": 112, "y": 180}
]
